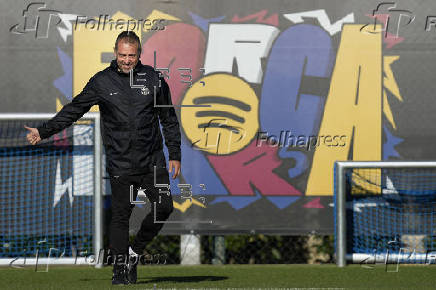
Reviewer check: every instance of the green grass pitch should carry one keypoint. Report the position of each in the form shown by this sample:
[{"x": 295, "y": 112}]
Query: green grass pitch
[{"x": 226, "y": 276}]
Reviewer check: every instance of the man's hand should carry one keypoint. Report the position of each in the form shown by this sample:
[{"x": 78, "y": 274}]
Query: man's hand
[
  {"x": 176, "y": 165},
  {"x": 33, "y": 135}
]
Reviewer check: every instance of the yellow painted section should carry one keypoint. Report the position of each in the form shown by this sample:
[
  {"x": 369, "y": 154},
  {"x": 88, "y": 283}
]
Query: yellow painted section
[
  {"x": 353, "y": 108},
  {"x": 187, "y": 203},
  {"x": 90, "y": 42},
  {"x": 366, "y": 181},
  {"x": 156, "y": 14},
  {"x": 387, "y": 110},
  {"x": 58, "y": 104},
  {"x": 389, "y": 81}
]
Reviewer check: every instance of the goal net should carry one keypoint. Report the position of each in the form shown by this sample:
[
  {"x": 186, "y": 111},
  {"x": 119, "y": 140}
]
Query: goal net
[
  {"x": 49, "y": 193},
  {"x": 385, "y": 212}
]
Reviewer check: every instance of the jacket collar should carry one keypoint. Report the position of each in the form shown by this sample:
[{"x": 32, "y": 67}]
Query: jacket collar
[{"x": 114, "y": 66}]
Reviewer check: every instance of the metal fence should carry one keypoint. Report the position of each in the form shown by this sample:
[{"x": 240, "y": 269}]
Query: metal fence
[{"x": 245, "y": 249}]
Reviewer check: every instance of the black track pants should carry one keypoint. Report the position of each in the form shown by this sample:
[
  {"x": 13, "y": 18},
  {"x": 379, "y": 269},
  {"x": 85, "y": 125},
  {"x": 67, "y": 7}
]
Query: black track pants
[{"x": 122, "y": 209}]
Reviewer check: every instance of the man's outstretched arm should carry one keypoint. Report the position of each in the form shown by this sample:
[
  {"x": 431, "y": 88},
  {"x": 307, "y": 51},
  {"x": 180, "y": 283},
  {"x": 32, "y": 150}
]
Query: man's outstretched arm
[
  {"x": 69, "y": 114},
  {"x": 170, "y": 128}
]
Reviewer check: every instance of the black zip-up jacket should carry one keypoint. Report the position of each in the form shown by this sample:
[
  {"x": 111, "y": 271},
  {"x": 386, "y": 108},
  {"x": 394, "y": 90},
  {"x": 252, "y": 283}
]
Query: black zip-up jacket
[{"x": 129, "y": 118}]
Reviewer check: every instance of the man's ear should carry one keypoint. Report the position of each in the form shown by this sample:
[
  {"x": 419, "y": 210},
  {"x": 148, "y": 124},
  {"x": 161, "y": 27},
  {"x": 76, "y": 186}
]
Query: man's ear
[{"x": 115, "y": 52}]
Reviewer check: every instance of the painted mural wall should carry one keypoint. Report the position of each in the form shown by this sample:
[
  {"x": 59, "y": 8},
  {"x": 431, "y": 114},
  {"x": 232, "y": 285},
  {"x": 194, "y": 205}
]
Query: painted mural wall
[{"x": 269, "y": 94}]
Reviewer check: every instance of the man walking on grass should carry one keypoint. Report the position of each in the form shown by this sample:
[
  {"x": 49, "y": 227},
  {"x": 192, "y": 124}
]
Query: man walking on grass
[{"x": 133, "y": 143}]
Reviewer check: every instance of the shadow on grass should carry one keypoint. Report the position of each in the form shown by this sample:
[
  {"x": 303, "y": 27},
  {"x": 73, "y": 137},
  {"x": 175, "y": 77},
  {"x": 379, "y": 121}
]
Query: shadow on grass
[{"x": 181, "y": 279}]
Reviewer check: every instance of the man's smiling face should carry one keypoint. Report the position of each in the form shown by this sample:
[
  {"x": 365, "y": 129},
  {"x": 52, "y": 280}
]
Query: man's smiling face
[{"x": 127, "y": 55}]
